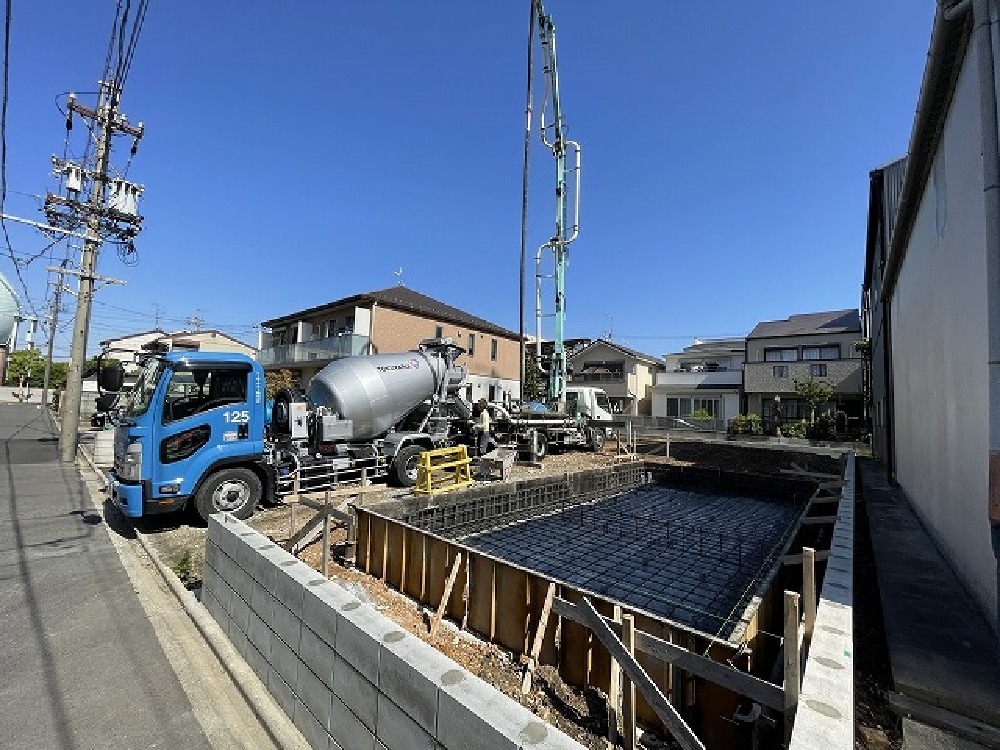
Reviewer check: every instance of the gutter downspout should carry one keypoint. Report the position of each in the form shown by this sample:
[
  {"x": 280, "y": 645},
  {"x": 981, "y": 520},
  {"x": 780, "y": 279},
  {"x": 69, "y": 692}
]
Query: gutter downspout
[{"x": 982, "y": 39}]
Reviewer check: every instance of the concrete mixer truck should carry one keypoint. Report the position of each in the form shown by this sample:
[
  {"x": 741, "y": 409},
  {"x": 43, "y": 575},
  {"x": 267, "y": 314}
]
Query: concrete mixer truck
[{"x": 193, "y": 429}]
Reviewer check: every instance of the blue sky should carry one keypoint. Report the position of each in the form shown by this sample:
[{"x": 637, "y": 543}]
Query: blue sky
[{"x": 296, "y": 153}]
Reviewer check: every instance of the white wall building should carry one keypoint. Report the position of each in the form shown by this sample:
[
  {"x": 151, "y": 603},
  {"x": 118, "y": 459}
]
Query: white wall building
[
  {"x": 705, "y": 376},
  {"x": 932, "y": 303}
]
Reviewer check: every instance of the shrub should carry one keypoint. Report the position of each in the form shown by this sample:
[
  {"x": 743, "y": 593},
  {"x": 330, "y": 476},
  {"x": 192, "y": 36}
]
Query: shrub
[
  {"x": 795, "y": 429},
  {"x": 702, "y": 415},
  {"x": 746, "y": 424},
  {"x": 824, "y": 428}
]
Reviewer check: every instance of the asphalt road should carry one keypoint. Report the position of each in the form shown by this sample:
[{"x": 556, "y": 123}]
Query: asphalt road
[{"x": 80, "y": 663}]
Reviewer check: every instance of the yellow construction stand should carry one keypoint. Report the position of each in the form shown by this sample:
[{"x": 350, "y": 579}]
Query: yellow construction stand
[{"x": 443, "y": 470}]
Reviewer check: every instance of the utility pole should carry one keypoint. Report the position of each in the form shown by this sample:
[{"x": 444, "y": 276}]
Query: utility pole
[
  {"x": 53, "y": 321},
  {"x": 100, "y": 220},
  {"x": 54, "y": 316}
]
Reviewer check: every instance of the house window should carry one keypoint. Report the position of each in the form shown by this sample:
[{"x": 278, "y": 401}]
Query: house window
[
  {"x": 493, "y": 350},
  {"x": 678, "y": 406},
  {"x": 780, "y": 371},
  {"x": 821, "y": 352},
  {"x": 711, "y": 405},
  {"x": 438, "y": 332},
  {"x": 472, "y": 350},
  {"x": 817, "y": 371},
  {"x": 493, "y": 393},
  {"x": 349, "y": 325},
  {"x": 781, "y": 355},
  {"x": 331, "y": 327}
]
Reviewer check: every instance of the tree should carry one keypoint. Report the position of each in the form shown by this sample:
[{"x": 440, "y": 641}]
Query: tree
[
  {"x": 276, "y": 380},
  {"x": 28, "y": 364},
  {"x": 534, "y": 387},
  {"x": 814, "y": 391}
]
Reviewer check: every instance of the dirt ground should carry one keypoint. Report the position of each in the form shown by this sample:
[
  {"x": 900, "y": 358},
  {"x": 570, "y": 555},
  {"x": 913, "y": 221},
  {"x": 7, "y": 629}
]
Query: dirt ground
[{"x": 180, "y": 541}]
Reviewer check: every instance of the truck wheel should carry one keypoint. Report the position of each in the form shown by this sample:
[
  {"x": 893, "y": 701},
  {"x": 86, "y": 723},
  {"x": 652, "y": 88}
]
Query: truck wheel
[
  {"x": 541, "y": 445},
  {"x": 404, "y": 465},
  {"x": 236, "y": 491},
  {"x": 597, "y": 439}
]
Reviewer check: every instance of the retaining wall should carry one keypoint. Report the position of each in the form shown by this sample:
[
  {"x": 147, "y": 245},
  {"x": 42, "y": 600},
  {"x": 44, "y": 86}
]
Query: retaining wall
[{"x": 348, "y": 676}]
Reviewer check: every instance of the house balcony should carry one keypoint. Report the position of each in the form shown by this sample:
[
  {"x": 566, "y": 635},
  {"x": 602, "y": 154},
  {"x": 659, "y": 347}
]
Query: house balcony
[
  {"x": 315, "y": 352},
  {"x": 616, "y": 386},
  {"x": 719, "y": 380}
]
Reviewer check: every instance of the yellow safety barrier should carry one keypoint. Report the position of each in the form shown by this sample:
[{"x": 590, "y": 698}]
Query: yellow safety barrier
[{"x": 443, "y": 470}]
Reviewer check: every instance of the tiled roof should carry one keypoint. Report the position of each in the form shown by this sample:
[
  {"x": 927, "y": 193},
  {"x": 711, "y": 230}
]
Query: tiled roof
[
  {"x": 634, "y": 353},
  {"x": 403, "y": 298},
  {"x": 809, "y": 324}
]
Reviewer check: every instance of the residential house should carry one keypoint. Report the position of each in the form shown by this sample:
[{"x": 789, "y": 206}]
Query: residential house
[
  {"x": 819, "y": 345},
  {"x": 706, "y": 376},
  {"x": 932, "y": 302},
  {"x": 395, "y": 319},
  {"x": 625, "y": 374},
  {"x": 128, "y": 349}
]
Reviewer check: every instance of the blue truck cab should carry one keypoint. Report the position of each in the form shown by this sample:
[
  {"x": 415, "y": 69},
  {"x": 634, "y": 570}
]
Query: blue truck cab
[{"x": 191, "y": 430}]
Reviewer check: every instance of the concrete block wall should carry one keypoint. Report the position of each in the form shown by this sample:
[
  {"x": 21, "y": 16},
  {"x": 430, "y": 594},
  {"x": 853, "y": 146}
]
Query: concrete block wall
[{"x": 349, "y": 677}]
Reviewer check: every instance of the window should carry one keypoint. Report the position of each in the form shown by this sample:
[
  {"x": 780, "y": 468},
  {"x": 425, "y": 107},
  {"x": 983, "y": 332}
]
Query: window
[
  {"x": 317, "y": 330},
  {"x": 195, "y": 391},
  {"x": 493, "y": 350},
  {"x": 817, "y": 371},
  {"x": 438, "y": 332},
  {"x": 349, "y": 325},
  {"x": 821, "y": 352},
  {"x": 493, "y": 393},
  {"x": 711, "y": 405},
  {"x": 331, "y": 327},
  {"x": 780, "y": 371},
  {"x": 781, "y": 355},
  {"x": 472, "y": 349},
  {"x": 678, "y": 406}
]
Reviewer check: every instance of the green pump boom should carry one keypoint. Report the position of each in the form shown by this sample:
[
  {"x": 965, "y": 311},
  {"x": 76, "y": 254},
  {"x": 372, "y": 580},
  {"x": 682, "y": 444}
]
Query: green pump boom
[{"x": 566, "y": 231}]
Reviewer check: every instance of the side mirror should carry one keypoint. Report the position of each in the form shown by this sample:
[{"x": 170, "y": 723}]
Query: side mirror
[{"x": 112, "y": 378}]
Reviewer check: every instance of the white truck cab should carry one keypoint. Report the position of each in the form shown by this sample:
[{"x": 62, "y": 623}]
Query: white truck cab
[{"x": 590, "y": 401}]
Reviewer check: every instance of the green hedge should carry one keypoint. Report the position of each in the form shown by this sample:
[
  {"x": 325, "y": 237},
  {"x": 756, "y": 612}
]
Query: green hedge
[{"x": 746, "y": 424}]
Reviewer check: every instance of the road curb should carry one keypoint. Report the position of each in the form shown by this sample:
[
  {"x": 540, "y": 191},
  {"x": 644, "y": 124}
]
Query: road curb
[{"x": 276, "y": 722}]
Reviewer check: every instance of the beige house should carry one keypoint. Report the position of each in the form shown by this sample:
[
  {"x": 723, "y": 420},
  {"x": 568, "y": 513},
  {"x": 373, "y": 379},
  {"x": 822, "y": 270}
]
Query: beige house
[
  {"x": 626, "y": 375},
  {"x": 127, "y": 349},
  {"x": 395, "y": 319}
]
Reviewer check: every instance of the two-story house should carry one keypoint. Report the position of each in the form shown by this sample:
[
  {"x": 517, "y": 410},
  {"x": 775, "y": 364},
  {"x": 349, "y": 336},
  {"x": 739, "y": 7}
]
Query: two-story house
[
  {"x": 395, "y": 319},
  {"x": 814, "y": 345},
  {"x": 626, "y": 375},
  {"x": 127, "y": 349},
  {"x": 704, "y": 377}
]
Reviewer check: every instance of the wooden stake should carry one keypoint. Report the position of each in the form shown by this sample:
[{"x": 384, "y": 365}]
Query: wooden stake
[
  {"x": 628, "y": 687},
  {"x": 326, "y": 537},
  {"x": 536, "y": 646},
  {"x": 614, "y": 688},
  {"x": 790, "y": 651},
  {"x": 447, "y": 593},
  {"x": 809, "y": 590}
]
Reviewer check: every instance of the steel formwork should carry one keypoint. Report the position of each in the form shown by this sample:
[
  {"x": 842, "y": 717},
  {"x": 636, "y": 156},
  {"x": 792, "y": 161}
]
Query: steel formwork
[{"x": 692, "y": 556}]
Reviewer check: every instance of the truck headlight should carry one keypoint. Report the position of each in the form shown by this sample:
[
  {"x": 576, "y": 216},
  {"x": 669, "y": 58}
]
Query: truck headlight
[{"x": 132, "y": 468}]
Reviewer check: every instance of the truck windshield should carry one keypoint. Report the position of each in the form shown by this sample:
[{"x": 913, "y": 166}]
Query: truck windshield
[{"x": 136, "y": 402}]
